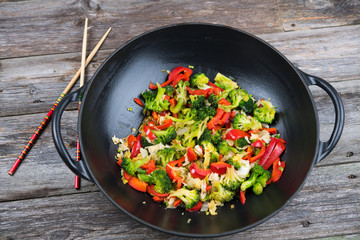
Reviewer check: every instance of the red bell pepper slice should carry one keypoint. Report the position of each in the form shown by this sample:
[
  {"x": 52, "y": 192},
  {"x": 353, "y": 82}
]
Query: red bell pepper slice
[
  {"x": 138, "y": 101},
  {"x": 176, "y": 71},
  {"x": 278, "y": 169},
  {"x": 214, "y": 121},
  {"x": 214, "y": 86},
  {"x": 149, "y": 167},
  {"x": 173, "y": 102},
  {"x": 242, "y": 197},
  {"x": 167, "y": 123},
  {"x": 271, "y": 130},
  {"x": 257, "y": 143},
  {"x": 197, "y": 207},
  {"x": 277, "y": 151},
  {"x": 152, "y": 86},
  {"x": 196, "y": 92},
  {"x": 191, "y": 154},
  {"x": 261, "y": 153},
  {"x": 268, "y": 151},
  {"x": 158, "y": 199},
  {"x": 131, "y": 141},
  {"x": 177, "y": 202},
  {"x": 163, "y": 195},
  {"x": 224, "y": 118},
  {"x": 235, "y": 134},
  {"x": 219, "y": 167},
  {"x": 149, "y": 133},
  {"x": 126, "y": 175},
  {"x": 137, "y": 184},
  {"x": 136, "y": 149},
  {"x": 225, "y": 102},
  {"x": 178, "y": 78},
  {"x": 196, "y": 172}
]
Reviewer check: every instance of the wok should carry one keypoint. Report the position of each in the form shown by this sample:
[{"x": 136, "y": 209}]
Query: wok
[{"x": 257, "y": 67}]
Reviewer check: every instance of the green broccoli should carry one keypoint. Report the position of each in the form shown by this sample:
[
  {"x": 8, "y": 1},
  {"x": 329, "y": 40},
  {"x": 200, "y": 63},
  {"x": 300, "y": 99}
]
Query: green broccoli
[
  {"x": 131, "y": 166},
  {"x": 231, "y": 180},
  {"x": 241, "y": 142},
  {"x": 166, "y": 155},
  {"x": 257, "y": 179},
  {"x": 216, "y": 138},
  {"x": 169, "y": 90},
  {"x": 196, "y": 130},
  {"x": 206, "y": 136},
  {"x": 224, "y": 148},
  {"x": 181, "y": 96},
  {"x": 199, "y": 80},
  {"x": 165, "y": 136},
  {"x": 265, "y": 113},
  {"x": 235, "y": 161},
  {"x": 248, "y": 106},
  {"x": 245, "y": 123},
  {"x": 220, "y": 193},
  {"x": 197, "y": 101},
  {"x": 156, "y": 102},
  {"x": 205, "y": 112},
  {"x": 189, "y": 197},
  {"x": 225, "y": 83},
  {"x": 162, "y": 181},
  {"x": 145, "y": 143},
  {"x": 159, "y": 178},
  {"x": 213, "y": 100},
  {"x": 236, "y": 96}
]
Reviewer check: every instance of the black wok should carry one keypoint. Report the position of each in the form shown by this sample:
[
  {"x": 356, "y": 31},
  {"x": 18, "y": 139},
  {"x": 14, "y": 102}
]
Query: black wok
[{"x": 258, "y": 68}]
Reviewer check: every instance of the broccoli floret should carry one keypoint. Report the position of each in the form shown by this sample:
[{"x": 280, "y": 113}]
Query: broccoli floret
[
  {"x": 248, "y": 106},
  {"x": 131, "y": 166},
  {"x": 213, "y": 100},
  {"x": 216, "y": 138},
  {"x": 224, "y": 148},
  {"x": 231, "y": 180},
  {"x": 166, "y": 155},
  {"x": 145, "y": 143},
  {"x": 245, "y": 123},
  {"x": 169, "y": 90},
  {"x": 266, "y": 113},
  {"x": 197, "y": 101},
  {"x": 181, "y": 96},
  {"x": 225, "y": 83},
  {"x": 157, "y": 103},
  {"x": 257, "y": 179},
  {"x": 205, "y": 112},
  {"x": 165, "y": 136},
  {"x": 162, "y": 181},
  {"x": 199, "y": 80},
  {"x": 236, "y": 96},
  {"x": 241, "y": 142},
  {"x": 235, "y": 161},
  {"x": 206, "y": 136},
  {"x": 220, "y": 193},
  {"x": 189, "y": 197}
]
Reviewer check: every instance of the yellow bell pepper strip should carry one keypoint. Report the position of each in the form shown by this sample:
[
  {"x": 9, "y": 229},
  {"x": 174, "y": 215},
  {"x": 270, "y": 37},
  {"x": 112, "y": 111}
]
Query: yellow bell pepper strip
[{"x": 278, "y": 169}]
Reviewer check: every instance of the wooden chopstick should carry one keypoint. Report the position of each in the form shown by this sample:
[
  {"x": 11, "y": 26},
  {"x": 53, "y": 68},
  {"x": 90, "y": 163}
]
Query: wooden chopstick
[
  {"x": 47, "y": 118},
  {"x": 82, "y": 81}
]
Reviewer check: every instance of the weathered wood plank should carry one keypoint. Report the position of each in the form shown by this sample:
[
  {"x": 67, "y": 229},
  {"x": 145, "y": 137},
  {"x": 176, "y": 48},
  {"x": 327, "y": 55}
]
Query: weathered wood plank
[
  {"x": 32, "y": 84},
  {"x": 306, "y": 14},
  {"x": 42, "y": 173},
  {"x": 330, "y": 53},
  {"x": 90, "y": 215},
  {"x": 48, "y": 27}
]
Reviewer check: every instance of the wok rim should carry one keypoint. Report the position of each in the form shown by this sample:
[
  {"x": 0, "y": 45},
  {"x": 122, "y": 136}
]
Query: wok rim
[{"x": 196, "y": 235}]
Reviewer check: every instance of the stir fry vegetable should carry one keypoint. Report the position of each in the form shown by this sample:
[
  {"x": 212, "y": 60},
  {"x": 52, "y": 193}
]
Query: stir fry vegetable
[{"x": 201, "y": 143}]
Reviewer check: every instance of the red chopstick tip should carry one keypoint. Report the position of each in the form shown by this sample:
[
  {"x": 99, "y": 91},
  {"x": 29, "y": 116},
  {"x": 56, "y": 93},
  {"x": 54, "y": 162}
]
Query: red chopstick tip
[{"x": 14, "y": 166}]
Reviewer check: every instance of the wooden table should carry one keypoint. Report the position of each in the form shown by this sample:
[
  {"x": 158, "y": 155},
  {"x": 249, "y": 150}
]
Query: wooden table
[{"x": 40, "y": 51}]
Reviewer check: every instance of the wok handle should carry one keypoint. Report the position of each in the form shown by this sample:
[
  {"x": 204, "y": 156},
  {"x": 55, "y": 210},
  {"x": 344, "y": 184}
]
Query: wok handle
[
  {"x": 326, "y": 147},
  {"x": 78, "y": 167}
]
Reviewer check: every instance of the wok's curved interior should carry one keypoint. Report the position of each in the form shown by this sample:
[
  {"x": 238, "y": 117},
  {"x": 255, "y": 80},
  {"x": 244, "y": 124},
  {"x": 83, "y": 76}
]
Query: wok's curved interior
[{"x": 257, "y": 67}]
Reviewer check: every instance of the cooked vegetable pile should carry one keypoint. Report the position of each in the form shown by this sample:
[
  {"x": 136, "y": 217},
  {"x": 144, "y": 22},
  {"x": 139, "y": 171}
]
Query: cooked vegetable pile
[{"x": 201, "y": 143}]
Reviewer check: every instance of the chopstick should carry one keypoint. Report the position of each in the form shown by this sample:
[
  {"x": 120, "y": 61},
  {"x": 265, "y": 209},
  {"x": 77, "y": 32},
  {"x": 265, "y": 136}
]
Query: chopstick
[
  {"x": 82, "y": 81},
  {"x": 47, "y": 118}
]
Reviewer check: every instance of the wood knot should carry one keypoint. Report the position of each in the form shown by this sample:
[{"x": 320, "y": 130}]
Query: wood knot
[
  {"x": 349, "y": 154},
  {"x": 305, "y": 223},
  {"x": 351, "y": 176}
]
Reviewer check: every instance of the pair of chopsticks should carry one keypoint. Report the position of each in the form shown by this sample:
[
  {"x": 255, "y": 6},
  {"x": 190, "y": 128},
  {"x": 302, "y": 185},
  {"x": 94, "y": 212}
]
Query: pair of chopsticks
[{"x": 48, "y": 116}]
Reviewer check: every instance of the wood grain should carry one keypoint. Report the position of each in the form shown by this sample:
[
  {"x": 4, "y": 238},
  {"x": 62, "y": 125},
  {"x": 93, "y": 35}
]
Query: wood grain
[
  {"x": 49, "y": 27},
  {"x": 91, "y": 215},
  {"x": 310, "y": 14}
]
